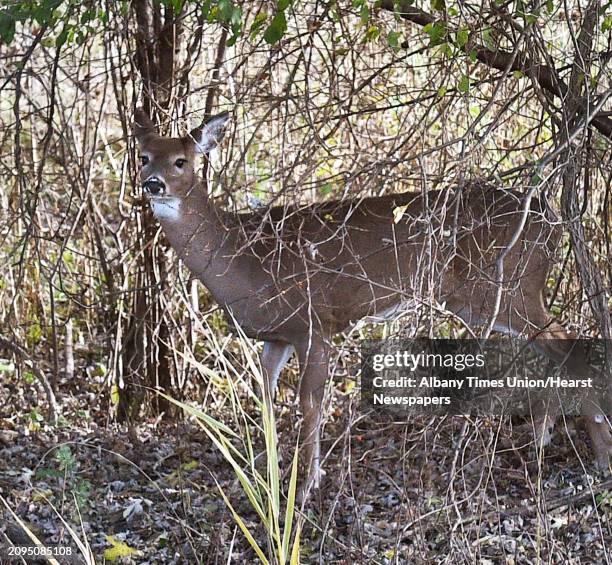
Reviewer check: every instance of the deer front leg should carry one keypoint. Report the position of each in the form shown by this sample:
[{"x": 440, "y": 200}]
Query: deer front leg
[
  {"x": 314, "y": 365},
  {"x": 274, "y": 357}
]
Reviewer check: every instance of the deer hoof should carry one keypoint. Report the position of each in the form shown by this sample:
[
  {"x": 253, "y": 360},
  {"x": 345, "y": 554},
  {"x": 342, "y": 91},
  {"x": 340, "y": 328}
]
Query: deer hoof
[
  {"x": 311, "y": 484},
  {"x": 601, "y": 439}
]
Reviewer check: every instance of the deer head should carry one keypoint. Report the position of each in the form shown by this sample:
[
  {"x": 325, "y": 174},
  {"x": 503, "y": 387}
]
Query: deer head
[{"x": 168, "y": 163}]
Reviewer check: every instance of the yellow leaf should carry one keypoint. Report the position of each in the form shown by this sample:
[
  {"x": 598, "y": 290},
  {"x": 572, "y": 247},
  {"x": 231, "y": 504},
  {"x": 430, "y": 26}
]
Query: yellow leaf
[
  {"x": 119, "y": 549},
  {"x": 191, "y": 466},
  {"x": 42, "y": 495},
  {"x": 115, "y": 395},
  {"x": 349, "y": 385}
]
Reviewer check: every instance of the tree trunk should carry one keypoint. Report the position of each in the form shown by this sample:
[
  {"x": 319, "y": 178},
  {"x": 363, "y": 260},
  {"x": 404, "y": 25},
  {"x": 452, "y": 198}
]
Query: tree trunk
[
  {"x": 577, "y": 102},
  {"x": 145, "y": 360}
]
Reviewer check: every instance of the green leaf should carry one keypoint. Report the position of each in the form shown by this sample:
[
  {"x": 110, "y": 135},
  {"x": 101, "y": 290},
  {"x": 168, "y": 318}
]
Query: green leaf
[
  {"x": 462, "y": 37},
  {"x": 236, "y": 25},
  {"x": 364, "y": 14},
  {"x": 88, "y": 15},
  {"x": 607, "y": 24},
  {"x": 464, "y": 84},
  {"x": 438, "y": 5},
  {"x": 34, "y": 334},
  {"x": 236, "y": 19},
  {"x": 65, "y": 458},
  {"x": 326, "y": 189},
  {"x": 226, "y": 10},
  {"x": 372, "y": 34},
  {"x": 61, "y": 38},
  {"x": 42, "y": 12},
  {"x": 47, "y": 472},
  {"x": 177, "y": 6},
  {"x": 393, "y": 39},
  {"x": 446, "y": 49},
  {"x": 103, "y": 16},
  {"x": 436, "y": 32},
  {"x": 277, "y": 28},
  {"x": 206, "y": 8},
  {"x": 442, "y": 91},
  {"x": 7, "y": 28},
  {"x": 258, "y": 23},
  {"x": 487, "y": 37}
]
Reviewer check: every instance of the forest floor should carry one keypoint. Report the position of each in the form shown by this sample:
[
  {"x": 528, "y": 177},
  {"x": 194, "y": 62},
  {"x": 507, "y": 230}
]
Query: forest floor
[{"x": 437, "y": 490}]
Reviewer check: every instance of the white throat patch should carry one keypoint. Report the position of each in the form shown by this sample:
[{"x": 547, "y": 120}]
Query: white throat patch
[{"x": 166, "y": 208}]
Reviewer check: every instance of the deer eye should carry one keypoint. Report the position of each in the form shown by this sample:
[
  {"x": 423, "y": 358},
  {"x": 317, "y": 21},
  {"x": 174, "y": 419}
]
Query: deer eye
[
  {"x": 180, "y": 163},
  {"x": 144, "y": 160}
]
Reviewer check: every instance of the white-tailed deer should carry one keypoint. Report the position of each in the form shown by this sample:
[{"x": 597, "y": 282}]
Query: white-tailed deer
[{"x": 293, "y": 276}]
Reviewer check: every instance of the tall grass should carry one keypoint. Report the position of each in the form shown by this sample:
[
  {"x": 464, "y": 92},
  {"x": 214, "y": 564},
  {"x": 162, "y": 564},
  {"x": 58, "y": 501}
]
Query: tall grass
[{"x": 276, "y": 509}]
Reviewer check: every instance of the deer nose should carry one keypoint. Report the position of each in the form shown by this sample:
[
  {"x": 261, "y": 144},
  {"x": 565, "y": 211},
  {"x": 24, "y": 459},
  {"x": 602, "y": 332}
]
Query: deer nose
[{"x": 154, "y": 187}]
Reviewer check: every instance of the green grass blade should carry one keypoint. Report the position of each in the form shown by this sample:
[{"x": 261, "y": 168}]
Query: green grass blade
[
  {"x": 295, "y": 552},
  {"x": 290, "y": 511},
  {"x": 210, "y": 421},
  {"x": 244, "y": 528}
]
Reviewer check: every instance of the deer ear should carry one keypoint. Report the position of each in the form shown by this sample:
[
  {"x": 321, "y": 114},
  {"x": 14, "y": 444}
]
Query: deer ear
[
  {"x": 143, "y": 126},
  {"x": 210, "y": 133}
]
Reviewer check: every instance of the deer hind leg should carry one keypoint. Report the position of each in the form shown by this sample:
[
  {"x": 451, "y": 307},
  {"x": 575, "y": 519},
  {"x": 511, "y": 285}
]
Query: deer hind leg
[
  {"x": 531, "y": 318},
  {"x": 555, "y": 342},
  {"x": 543, "y": 426},
  {"x": 314, "y": 365}
]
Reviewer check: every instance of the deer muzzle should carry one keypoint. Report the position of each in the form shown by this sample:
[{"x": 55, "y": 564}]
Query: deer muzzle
[{"x": 154, "y": 187}]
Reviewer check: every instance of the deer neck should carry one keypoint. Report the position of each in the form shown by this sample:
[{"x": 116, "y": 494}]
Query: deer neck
[{"x": 196, "y": 231}]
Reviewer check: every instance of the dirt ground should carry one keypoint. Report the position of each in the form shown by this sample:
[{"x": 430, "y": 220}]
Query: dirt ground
[{"x": 439, "y": 490}]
